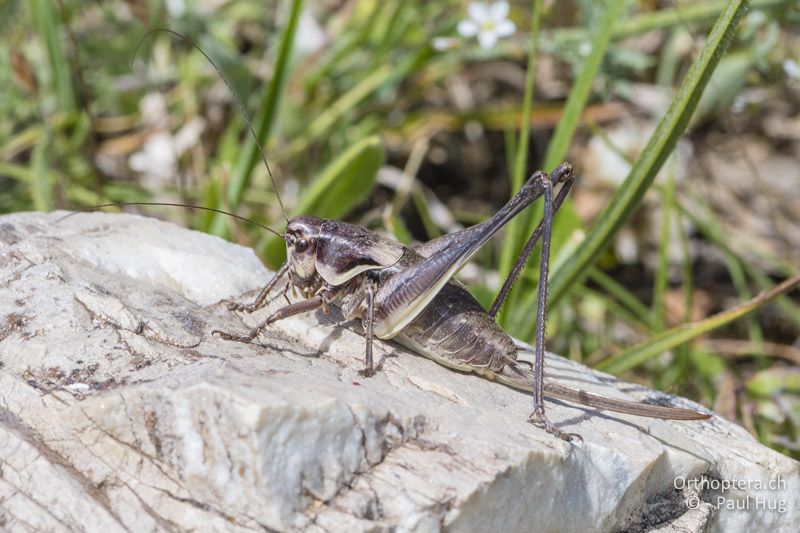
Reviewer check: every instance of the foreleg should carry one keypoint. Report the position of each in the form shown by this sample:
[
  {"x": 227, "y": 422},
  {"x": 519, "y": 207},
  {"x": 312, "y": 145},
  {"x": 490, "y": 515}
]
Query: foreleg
[
  {"x": 284, "y": 312},
  {"x": 261, "y": 299}
]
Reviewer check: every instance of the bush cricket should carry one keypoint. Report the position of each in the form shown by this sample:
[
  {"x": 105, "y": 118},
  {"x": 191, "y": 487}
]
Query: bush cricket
[{"x": 408, "y": 294}]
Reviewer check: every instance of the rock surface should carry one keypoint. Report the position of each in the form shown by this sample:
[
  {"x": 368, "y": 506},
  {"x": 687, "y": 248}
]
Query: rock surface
[{"x": 119, "y": 411}]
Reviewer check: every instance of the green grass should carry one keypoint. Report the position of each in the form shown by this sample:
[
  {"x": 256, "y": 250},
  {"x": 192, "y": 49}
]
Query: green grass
[
  {"x": 265, "y": 119},
  {"x": 453, "y": 125}
]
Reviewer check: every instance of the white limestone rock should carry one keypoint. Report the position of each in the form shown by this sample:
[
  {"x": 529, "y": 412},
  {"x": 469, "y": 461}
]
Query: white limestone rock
[{"x": 119, "y": 411}]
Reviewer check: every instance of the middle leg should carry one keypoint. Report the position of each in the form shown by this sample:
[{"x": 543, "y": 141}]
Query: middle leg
[{"x": 369, "y": 370}]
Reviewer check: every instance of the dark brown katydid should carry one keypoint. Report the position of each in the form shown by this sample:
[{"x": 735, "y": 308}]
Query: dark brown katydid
[{"x": 409, "y": 295}]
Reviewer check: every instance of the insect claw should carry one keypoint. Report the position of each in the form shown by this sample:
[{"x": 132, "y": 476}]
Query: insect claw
[
  {"x": 235, "y": 306},
  {"x": 229, "y": 337},
  {"x": 540, "y": 420},
  {"x": 367, "y": 372}
]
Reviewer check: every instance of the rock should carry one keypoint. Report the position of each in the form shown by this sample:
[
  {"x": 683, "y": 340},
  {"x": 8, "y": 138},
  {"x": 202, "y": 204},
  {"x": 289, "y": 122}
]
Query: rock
[{"x": 120, "y": 411}]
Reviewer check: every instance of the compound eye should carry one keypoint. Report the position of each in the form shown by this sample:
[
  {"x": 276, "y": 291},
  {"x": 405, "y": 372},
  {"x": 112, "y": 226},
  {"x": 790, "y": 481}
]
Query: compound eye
[{"x": 300, "y": 245}]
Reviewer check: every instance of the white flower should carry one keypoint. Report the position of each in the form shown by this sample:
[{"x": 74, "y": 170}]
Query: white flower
[
  {"x": 791, "y": 68},
  {"x": 487, "y": 21},
  {"x": 176, "y": 8},
  {"x": 739, "y": 104},
  {"x": 310, "y": 35}
]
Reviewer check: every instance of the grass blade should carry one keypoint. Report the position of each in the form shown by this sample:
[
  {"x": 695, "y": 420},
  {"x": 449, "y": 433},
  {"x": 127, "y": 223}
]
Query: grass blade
[
  {"x": 679, "y": 335},
  {"x": 625, "y": 297},
  {"x": 386, "y": 74},
  {"x": 45, "y": 17},
  {"x": 660, "y": 145},
  {"x": 525, "y": 223},
  {"x": 579, "y": 95},
  {"x": 682, "y": 15},
  {"x": 243, "y": 169},
  {"x": 661, "y": 280},
  {"x": 42, "y": 183},
  {"x": 347, "y": 181},
  {"x": 715, "y": 233},
  {"x": 514, "y": 239},
  {"x": 521, "y": 156}
]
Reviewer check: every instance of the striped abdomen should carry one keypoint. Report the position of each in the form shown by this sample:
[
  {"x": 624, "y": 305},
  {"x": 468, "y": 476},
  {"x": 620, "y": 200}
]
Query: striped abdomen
[{"x": 455, "y": 331}]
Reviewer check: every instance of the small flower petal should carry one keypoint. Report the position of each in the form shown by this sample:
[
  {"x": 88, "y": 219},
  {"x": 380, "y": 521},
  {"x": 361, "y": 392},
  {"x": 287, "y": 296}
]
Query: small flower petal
[
  {"x": 487, "y": 21},
  {"x": 498, "y": 11},
  {"x": 487, "y": 39},
  {"x": 440, "y": 44},
  {"x": 478, "y": 11},
  {"x": 739, "y": 104},
  {"x": 505, "y": 28},
  {"x": 757, "y": 18},
  {"x": 176, "y": 8},
  {"x": 791, "y": 68},
  {"x": 468, "y": 28}
]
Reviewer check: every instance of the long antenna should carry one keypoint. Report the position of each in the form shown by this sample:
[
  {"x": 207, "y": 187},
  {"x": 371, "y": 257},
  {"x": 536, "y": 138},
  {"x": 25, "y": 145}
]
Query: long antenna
[
  {"x": 171, "y": 204},
  {"x": 191, "y": 43}
]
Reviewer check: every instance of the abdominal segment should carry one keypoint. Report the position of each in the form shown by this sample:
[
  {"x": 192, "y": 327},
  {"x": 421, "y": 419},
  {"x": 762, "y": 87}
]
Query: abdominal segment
[{"x": 455, "y": 331}]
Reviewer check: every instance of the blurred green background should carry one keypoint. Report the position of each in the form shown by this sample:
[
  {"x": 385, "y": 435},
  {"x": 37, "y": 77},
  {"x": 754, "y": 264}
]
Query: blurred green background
[{"x": 418, "y": 118}]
